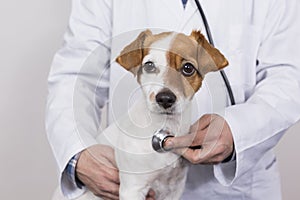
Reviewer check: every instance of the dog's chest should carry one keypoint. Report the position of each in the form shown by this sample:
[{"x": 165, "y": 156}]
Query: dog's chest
[{"x": 170, "y": 179}]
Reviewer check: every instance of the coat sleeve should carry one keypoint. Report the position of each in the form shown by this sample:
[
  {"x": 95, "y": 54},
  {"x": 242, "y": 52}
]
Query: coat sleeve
[
  {"x": 259, "y": 123},
  {"x": 78, "y": 82}
]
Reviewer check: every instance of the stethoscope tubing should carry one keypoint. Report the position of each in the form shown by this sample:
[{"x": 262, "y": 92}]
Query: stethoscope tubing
[{"x": 211, "y": 41}]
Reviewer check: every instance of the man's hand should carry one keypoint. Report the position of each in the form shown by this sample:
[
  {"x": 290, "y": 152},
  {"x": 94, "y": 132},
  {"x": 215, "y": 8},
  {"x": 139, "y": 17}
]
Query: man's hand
[
  {"x": 97, "y": 169},
  {"x": 212, "y": 133}
]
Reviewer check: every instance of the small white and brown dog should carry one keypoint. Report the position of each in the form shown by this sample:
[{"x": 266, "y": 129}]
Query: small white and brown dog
[{"x": 170, "y": 68}]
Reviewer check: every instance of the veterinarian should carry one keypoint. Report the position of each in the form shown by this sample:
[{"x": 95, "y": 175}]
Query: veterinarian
[{"x": 260, "y": 39}]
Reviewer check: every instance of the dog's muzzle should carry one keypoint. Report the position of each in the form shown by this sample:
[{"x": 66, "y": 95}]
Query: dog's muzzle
[
  {"x": 165, "y": 99},
  {"x": 159, "y": 139}
]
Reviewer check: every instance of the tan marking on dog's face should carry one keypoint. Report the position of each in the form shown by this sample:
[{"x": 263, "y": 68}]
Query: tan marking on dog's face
[
  {"x": 208, "y": 57},
  {"x": 184, "y": 50},
  {"x": 147, "y": 46},
  {"x": 132, "y": 55},
  {"x": 169, "y": 52},
  {"x": 196, "y": 50},
  {"x": 152, "y": 96}
]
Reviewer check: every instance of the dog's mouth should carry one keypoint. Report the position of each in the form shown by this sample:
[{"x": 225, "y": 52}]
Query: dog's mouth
[
  {"x": 159, "y": 110},
  {"x": 167, "y": 113}
]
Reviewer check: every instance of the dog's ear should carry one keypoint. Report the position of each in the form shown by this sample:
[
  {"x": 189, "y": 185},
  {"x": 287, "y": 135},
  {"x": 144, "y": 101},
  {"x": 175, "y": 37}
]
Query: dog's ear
[
  {"x": 209, "y": 58},
  {"x": 132, "y": 55}
]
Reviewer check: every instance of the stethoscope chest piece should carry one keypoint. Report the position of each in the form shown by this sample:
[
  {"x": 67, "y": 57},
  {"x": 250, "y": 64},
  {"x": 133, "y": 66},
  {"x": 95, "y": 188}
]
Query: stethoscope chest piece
[{"x": 159, "y": 138}]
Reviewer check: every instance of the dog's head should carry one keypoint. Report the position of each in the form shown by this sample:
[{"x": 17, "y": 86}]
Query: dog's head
[{"x": 170, "y": 67}]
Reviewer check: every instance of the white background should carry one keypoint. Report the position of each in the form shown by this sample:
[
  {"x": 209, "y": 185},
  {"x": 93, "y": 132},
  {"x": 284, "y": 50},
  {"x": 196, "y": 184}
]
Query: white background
[{"x": 31, "y": 31}]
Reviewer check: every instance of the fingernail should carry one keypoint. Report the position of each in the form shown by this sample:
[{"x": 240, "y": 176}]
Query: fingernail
[{"x": 168, "y": 144}]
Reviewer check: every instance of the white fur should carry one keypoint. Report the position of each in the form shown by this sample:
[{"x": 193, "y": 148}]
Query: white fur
[
  {"x": 154, "y": 82},
  {"x": 141, "y": 168}
]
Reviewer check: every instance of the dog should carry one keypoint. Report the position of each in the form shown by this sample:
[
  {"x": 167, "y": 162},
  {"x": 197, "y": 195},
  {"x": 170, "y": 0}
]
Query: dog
[{"x": 170, "y": 68}]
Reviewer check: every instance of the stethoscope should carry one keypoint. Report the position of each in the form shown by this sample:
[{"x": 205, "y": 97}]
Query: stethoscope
[{"x": 162, "y": 135}]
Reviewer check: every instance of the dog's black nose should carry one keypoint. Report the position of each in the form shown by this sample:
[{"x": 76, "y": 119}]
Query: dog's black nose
[{"x": 165, "y": 99}]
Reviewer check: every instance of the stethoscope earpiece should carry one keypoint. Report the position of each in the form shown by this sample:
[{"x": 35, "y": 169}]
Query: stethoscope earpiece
[{"x": 159, "y": 139}]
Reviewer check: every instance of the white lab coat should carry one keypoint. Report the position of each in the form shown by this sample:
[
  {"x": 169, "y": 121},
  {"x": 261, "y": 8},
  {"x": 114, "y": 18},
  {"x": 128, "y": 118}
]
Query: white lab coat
[{"x": 267, "y": 94}]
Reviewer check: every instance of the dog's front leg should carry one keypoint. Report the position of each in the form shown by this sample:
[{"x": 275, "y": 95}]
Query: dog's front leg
[
  {"x": 136, "y": 170},
  {"x": 133, "y": 186}
]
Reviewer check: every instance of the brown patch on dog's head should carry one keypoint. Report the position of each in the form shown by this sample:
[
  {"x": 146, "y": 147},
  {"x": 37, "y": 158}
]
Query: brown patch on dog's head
[
  {"x": 196, "y": 50},
  {"x": 184, "y": 50},
  {"x": 188, "y": 85},
  {"x": 132, "y": 55},
  {"x": 209, "y": 58}
]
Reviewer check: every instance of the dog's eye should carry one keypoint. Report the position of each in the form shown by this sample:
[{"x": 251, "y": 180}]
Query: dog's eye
[
  {"x": 149, "y": 67},
  {"x": 188, "y": 69}
]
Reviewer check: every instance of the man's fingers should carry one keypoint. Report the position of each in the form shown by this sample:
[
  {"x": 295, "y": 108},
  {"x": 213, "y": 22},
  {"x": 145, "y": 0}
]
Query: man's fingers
[
  {"x": 209, "y": 142},
  {"x": 112, "y": 188},
  {"x": 178, "y": 142},
  {"x": 104, "y": 188},
  {"x": 111, "y": 174},
  {"x": 202, "y": 123},
  {"x": 107, "y": 196},
  {"x": 192, "y": 155},
  {"x": 104, "y": 154},
  {"x": 182, "y": 141},
  {"x": 216, "y": 159},
  {"x": 197, "y": 156},
  {"x": 150, "y": 195},
  {"x": 150, "y": 198},
  {"x": 198, "y": 132},
  {"x": 96, "y": 169},
  {"x": 111, "y": 156}
]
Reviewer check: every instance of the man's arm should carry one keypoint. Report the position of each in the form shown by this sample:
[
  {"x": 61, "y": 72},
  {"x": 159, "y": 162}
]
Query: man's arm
[
  {"x": 256, "y": 125},
  {"x": 259, "y": 123},
  {"x": 78, "y": 83}
]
